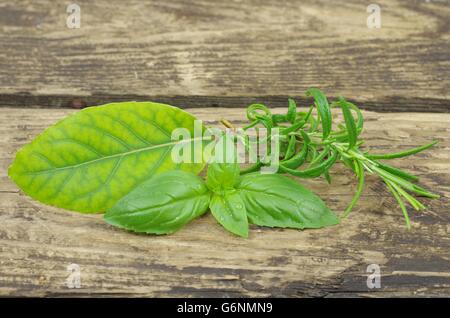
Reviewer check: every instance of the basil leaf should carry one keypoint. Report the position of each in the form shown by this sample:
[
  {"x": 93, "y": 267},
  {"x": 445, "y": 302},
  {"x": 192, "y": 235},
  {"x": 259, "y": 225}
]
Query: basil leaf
[
  {"x": 162, "y": 204},
  {"x": 222, "y": 176},
  {"x": 275, "y": 200},
  {"x": 229, "y": 210},
  {"x": 89, "y": 160},
  {"x": 323, "y": 108}
]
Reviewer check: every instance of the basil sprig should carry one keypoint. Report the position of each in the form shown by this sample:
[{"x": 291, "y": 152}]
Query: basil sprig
[{"x": 165, "y": 203}]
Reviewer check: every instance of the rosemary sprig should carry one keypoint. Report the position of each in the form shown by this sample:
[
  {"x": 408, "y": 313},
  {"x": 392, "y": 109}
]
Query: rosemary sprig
[{"x": 312, "y": 147}]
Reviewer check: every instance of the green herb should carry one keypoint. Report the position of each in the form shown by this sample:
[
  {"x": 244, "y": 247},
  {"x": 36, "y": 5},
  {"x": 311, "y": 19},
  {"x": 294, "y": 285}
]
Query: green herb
[
  {"x": 164, "y": 203},
  {"x": 277, "y": 201},
  {"x": 89, "y": 160},
  {"x": 311, "y": 152},
  {"x": 222, "y": 177},
  {"x": 229, "y": 210},
  {"x": 116, "y": 158}
]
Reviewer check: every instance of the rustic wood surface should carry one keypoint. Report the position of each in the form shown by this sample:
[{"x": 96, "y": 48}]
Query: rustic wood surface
[
  {"x": 38, "y": 242},
  {"x": 206, "y": 53}
]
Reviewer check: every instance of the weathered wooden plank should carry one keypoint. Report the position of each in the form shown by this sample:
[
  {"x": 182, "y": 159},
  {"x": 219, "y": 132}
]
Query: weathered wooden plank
[
  {"x": 225, "y": 53},
  {"x": 38, "y": 242}
]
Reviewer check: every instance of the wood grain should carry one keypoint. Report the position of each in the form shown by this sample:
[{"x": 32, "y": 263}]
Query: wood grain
[
  {"x": 225, "y": 53},
  {"x": 37, "y": 242}
]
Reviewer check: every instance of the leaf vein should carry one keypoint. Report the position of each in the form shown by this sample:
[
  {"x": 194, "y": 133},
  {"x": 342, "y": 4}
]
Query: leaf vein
[
  {"x": 107, "y": 181},
  {"x": 130, "y": 129},
  {"x": 80, "y": 143},
  {"x": 106, "y": 133},
  {"x": 134, "y": 151},
  {"x": 149, "y": 121}
]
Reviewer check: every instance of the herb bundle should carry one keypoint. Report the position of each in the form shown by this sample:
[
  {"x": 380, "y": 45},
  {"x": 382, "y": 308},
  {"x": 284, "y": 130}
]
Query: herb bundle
[
  {"x": 115, "y": 158},
  {"x": 311, "y": 147}
]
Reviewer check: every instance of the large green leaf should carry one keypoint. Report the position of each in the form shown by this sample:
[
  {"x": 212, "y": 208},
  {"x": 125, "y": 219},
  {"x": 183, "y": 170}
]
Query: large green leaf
[
  {"x": 277, "y": 201},
  {"x": 89, "y": 160},
  {"x": 229, "y": 210},
  {"x": 162, "y": 204}
]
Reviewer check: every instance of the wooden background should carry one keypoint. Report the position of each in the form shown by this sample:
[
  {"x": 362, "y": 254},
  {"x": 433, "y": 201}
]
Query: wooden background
[{"x": 215, "y": 57}]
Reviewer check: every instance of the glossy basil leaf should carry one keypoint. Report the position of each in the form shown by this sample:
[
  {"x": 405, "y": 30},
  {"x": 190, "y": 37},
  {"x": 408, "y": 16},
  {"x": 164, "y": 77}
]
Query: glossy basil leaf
[
  {"x": 89, "y": 160},
  {"x": 222, "y": 176},
  {"x": 277, "y": 201},
  {"x": 162, "y": 204},
  {"x": 323, "y": 108},
  {"x": 229, "y": 210}
]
